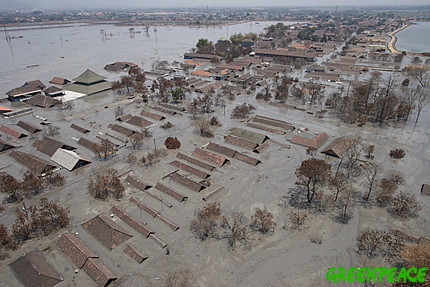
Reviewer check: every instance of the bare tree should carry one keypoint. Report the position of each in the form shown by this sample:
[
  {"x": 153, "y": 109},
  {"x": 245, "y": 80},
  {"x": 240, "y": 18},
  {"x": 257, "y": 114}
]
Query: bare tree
[
  {"x": 404, "y": 205},
  {"x": 136, "y": 140},
  {"x": 298, "y": 218},
  {"x": 51, "y": 131},
  {"x": 207, "y": 221},
  {"x": 262, "y": 220},
  {"x": 422, "y": 100},
  {"x": 338, "y": 182},
  {"x": 32, "y": 184},
  {"x": 40, "y": 219},
  {"x": 312, "y": 174},
  {"x": 370, "y": 242},
  {"x": 242, "y": 111},
  {"x": 105, "y": 149},
  {"x": 106, "y": 183},
  {"x": 347, "y": 198},
  {"x": 11, "y": 187},
  {"x": 371, "y": 172},
  {"x": 203, "y": 128},
  {"x": 237, "y": 229},
  {"x": 6, "y": 239}
]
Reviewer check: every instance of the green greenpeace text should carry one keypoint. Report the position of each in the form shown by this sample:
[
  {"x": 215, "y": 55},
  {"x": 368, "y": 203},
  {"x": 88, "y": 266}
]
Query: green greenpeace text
[{"x": 376, "y": 274}]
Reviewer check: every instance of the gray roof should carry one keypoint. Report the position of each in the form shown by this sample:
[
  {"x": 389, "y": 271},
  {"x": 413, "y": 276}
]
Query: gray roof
[
  {"x": 89, "y": 77},
  {"x": 248, "y": 135},
  {"x": 69, "y": 159},
  {"x": 89, "y": 89}
]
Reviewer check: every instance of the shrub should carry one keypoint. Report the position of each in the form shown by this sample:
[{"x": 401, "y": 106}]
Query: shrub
[
  {"x": 166, "y": 126},
  {"x": 172, "y": 143},
  {"x": 397, "y": 153}
]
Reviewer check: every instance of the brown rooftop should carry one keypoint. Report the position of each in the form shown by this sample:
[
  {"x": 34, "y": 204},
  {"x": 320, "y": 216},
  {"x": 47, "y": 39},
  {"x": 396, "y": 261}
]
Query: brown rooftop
[
  {"x": 273, "y": 122},
  {"x": 191, "y": 184},
  {"x": 247, "y": 159},
  {"x": 32, "y": 162},
  {"x": 169, "y": 191},
  {"x": 79, "y": 128},
  {"x": 195, "y": 161},
  {"x": 12, "y": 132},
  {"x": 243, "y": 143},
  {"x": 152, "y": 116},
  {"x": 315, "y": 142},
  {"x": 33, "y": 270},
  {"x": 132, "y": 222},
  {"x": 59, "y": 81},
  {"x": 122, "y": 130},
  {"x": 28, "y": 127},
  {"x": 190, "y": 169},
  {"x": 93, "y": 146},
  {"x": 99, "y": 272},
  {"x": 139, "y": 121},
  {"x": 107, "y": 231},
  {"x": 221, "y": 149},
  {"x": 49, "y": 146},
  {"x": 43, "y": 101},
  {"x": 5, "y": 146},
  {"x": 75, "y": 249},
  {"x": 134, "y": 253},
  {"x": 134, "y": 181},
  {"x": 210, "y": 157},
  {"x": 338, "y": 147}
]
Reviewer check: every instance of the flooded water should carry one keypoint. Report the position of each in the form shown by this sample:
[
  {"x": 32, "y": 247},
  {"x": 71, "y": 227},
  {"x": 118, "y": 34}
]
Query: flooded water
[
  {"x": 68, "y": 50},
  {"x": 415, "y": 38}
]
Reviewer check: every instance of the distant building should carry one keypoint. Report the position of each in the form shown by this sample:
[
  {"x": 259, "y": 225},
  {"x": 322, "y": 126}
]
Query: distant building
[
  {"x": 120, "y": 66},
  {"x": 247, "y": 43},
  {"x": 89, "y": 83},
  {"x": 283, "y": 53}
]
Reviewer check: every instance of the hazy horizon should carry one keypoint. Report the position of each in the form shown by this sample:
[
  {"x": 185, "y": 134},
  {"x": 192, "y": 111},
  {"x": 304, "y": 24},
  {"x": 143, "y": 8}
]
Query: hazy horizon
[{"x": 152, "y": 4}]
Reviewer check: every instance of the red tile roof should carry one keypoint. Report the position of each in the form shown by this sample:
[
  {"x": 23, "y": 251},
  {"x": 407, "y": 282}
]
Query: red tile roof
[
  {"x": 75, "y": 249},
  {"x": 210, "y": 157}
]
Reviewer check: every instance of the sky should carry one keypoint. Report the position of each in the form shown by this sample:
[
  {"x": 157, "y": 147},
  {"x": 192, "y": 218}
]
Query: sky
[{"x": 72, "y": 4}]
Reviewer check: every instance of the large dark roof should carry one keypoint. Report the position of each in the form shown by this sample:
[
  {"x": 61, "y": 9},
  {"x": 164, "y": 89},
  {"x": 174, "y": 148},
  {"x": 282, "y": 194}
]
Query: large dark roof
[
  {"x": 75, "y": 249},
  {"x": 43, "y": 101},
  {"x": 5, "y": 146},
  {"x": 107, "y": 231},
  {"x": 28, "y": 127},
  {"x": 12, "y": 132},
  {"x": 32, "y": 162},
  {"x": 34, "y": 271},
  {"x": 89, "y": 77},
  {"x": 49, "y": 146}
]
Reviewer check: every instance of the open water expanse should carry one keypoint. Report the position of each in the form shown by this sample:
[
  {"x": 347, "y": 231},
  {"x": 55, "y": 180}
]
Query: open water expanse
[
  {"x": 415, "y": 38},
  {"x": 68, "y": 50}
]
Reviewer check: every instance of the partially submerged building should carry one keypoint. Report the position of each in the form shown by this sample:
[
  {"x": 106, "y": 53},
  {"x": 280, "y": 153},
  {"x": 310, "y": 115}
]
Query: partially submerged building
[
  {"x": 89, "y": 83},
  {"x": 68, "y": 159},
  {"x": 33, "y": 270},
  {"x": 32, "y": 162}
]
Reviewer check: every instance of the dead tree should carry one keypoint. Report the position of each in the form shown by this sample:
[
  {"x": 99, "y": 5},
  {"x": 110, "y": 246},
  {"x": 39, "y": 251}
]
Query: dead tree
[
  {"x": 312, "y": 174},
  {"x": 237, "y": 229},
  {"x": 106, "y": 183},
  {"x": 371, "y": 172},
  {"x": 207, "y": 221},
  {"x": 349, "y": 194},
  {"x": 105, "y": 149},
  {"x": 262, "y": 220}
]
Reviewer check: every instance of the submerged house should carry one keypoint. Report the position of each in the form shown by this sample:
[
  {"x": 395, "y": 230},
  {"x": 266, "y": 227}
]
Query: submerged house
[
  {"x": 89, "y": 83},
  {"x": 33, "y": 270}
]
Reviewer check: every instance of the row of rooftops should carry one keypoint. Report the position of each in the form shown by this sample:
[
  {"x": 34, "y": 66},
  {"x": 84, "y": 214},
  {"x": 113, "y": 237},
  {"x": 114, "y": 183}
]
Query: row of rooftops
[{"x": 87, "y": 83}]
